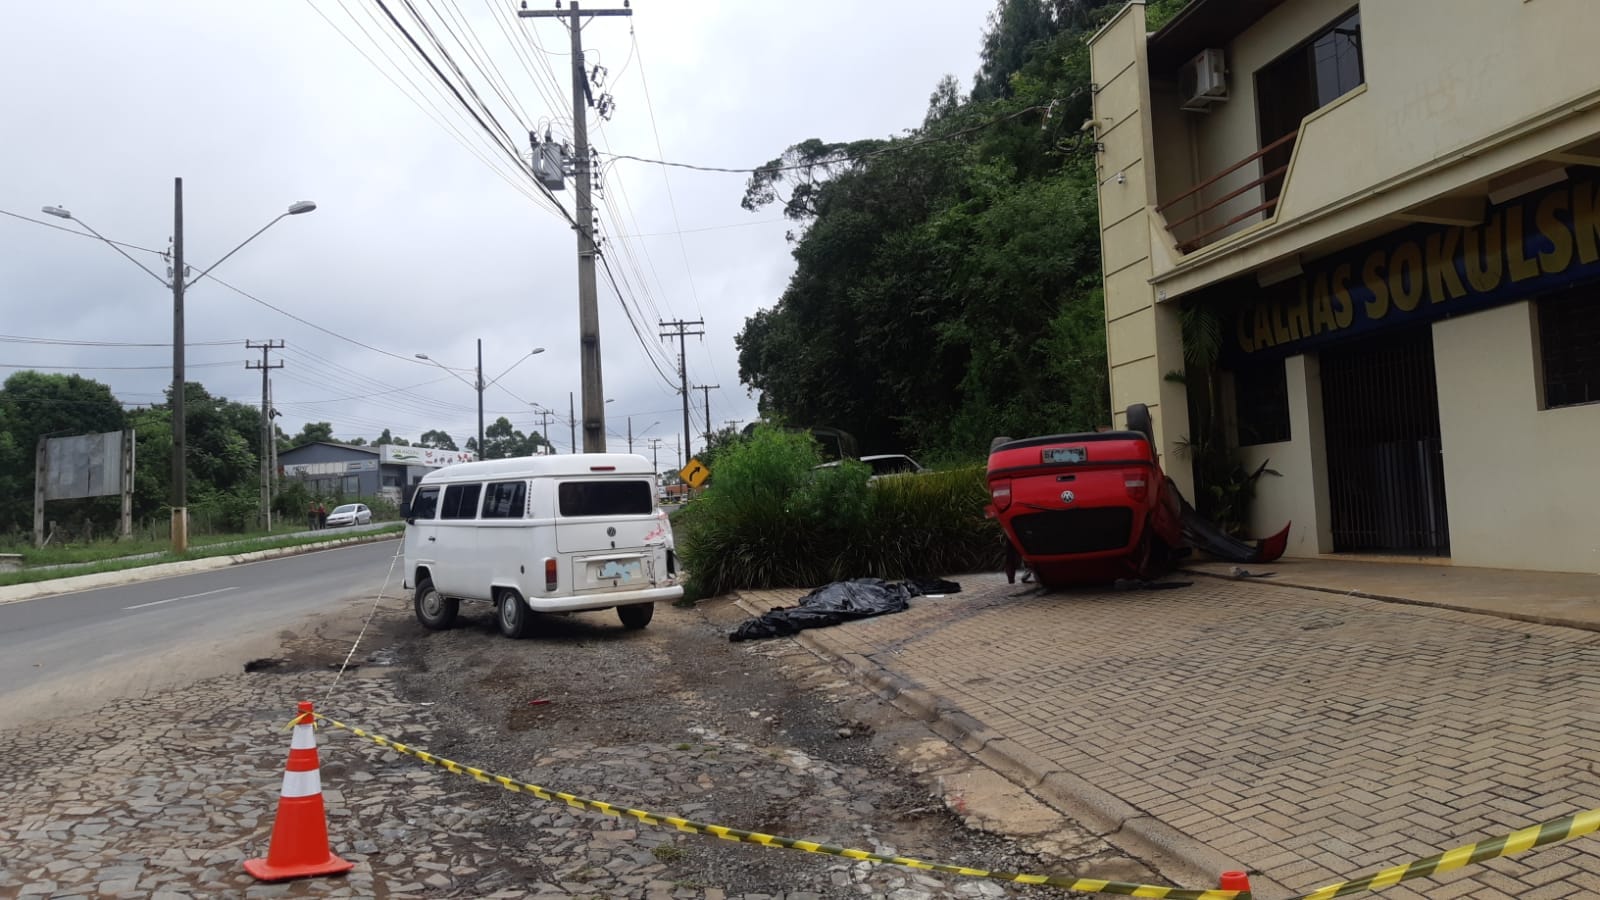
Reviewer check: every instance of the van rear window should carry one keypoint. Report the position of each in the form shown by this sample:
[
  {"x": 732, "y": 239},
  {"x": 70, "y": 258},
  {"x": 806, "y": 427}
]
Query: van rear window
[{"x": 606, "y": 498}]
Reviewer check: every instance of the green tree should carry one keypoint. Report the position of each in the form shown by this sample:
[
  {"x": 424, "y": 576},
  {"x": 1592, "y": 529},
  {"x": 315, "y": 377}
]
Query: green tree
[
  {"x": 311, "y": 433},
  {"x": 436, "y": 439}
]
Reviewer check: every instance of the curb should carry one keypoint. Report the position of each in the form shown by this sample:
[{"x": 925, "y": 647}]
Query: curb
[
  {"x": 1530, "y": 618},
  {"x": 72, "y": 584},
  {"x": 1170, "y": 852}
]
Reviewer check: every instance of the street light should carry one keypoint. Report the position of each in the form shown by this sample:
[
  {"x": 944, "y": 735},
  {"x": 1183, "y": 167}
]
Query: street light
[
  {"x": 478, "y": 383},
  {"x": 178, "y": 284}
]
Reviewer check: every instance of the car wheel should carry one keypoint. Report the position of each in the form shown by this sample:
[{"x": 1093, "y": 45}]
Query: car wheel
[
  {"x": 1139, "y": 420},
  {"x": 636, "y": 616},
  {"x": 435, "y": 611},
  {"x": 513, "y": 616}
]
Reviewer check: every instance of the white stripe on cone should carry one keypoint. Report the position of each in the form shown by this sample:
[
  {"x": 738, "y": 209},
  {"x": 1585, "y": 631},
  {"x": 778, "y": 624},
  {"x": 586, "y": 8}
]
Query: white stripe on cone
[
  {"x": 302, "y": 784},
  {"x": 305, "y": 738}
]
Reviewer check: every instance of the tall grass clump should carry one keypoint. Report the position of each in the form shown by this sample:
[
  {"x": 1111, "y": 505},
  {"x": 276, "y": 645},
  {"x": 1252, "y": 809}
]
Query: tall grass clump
[{"x": 771, "y": 519}]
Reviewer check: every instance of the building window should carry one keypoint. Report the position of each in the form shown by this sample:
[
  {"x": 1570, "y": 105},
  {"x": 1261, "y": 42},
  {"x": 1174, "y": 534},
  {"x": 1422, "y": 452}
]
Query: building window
[
  {"x": 1302, "y": 81},
  {"x": 352, "y": 485},
  {"x": 1569, "y": 346},
  {"x": 460, "y": 501},
  {"x": 1261, "y": 403},
  {"x": 505, "y": 500}
]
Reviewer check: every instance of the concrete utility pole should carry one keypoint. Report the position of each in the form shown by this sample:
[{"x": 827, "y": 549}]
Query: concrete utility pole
[
  {"x": 705, "y": 392},
  {"x": 572, "y": 424},
  {"x": 266, "y": 348},
  {"x": 735, "y": 423},
  {"x": 682, "y": 333},
  {"x": 544, "y": 427},
  {"x": 594, "y": 413},
  {"x": 630, "y": 434},
  {"x": 178, "y": 283},
  {"x": 180, "y": 444},
  {"x": 655, "y": 461},
  {"x": 272, "y": 435},
  {"x": 479, "y": 385}
]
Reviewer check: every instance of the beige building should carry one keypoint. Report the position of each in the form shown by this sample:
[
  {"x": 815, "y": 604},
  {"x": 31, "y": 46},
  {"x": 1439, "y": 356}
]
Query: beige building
[{"x": 1393, "y": 209}]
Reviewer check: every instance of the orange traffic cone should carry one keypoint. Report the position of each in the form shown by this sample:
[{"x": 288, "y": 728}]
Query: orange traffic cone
[
  {"x": 1237, "y": 881},
  {"x": 299, "y": 847}
]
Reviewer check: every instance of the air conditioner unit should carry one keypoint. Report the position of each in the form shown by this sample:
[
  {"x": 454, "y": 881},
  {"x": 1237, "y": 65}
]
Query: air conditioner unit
[{"x": 1204, "y": 80}]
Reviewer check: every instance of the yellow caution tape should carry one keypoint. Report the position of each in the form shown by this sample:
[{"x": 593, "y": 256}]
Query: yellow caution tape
[
  {"x": 1552, "y": 832},
  {"x": 1085, "y": 885}
]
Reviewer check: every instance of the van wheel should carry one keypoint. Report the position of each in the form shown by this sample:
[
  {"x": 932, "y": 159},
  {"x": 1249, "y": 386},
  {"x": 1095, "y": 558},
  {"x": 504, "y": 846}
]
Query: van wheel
[
  {"x": 513, "y": 616},
  {"x": 636, "y": 616},
  {"x": 435, "y": 611}
]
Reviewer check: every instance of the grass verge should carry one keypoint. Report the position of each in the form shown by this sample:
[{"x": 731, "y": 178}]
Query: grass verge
[{"x": 231, "y": 547}]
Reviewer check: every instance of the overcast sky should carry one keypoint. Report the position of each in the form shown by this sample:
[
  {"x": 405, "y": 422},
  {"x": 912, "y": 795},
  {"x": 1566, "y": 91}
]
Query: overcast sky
[{"x": 418, "y": 246}]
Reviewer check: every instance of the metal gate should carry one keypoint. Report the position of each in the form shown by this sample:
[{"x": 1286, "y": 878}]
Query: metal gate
[{"x": 1380, "y": 407}]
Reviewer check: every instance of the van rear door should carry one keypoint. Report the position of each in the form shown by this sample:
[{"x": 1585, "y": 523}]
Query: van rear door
[{"x": 608, "y": 528}]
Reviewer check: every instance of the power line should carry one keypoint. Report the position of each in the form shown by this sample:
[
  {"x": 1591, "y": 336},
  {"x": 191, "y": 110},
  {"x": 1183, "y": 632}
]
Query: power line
[
  {"x": 214, "y": 365},
  {"x": 892, "y": 147},
  {"x": 110, "y": 345}
]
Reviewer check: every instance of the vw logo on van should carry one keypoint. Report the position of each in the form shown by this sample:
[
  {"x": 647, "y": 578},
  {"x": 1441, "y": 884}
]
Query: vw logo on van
[
  {"x": 1068, "y": 497},
  {"x": 611, "y": 532}
]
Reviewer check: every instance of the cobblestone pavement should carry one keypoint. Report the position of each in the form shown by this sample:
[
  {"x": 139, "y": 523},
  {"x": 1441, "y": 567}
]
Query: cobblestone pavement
[
  {"x": 164, "y": 796},
  {"x": 1309, "y": 736}
]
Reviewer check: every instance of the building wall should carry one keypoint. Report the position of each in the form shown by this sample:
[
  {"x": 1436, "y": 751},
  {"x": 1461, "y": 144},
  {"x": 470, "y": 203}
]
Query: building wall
[
  {"x": 1299, "y": 493},
  {"x": 1491, "y": 91},
  {"x": 1521, "y": 482},
  {"x": 1142, "y": 339}
]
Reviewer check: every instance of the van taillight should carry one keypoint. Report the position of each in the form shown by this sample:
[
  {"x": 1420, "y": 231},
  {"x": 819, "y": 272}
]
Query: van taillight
[
  {"x": 1135, "y": 481},
  {"x": 549, "y": 574},
  {"x": 1000, "y": 493}
]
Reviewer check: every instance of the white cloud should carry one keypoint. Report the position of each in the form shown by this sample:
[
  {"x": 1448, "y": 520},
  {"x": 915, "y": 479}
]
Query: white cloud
[{"x": 416, "y": 245}]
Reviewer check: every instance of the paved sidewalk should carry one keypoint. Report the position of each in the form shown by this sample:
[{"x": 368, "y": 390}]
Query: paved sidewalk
[{"x": 1308, "y": 736}]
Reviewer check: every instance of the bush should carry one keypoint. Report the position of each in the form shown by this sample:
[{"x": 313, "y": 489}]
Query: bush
[{"x": 770, "y": 518}]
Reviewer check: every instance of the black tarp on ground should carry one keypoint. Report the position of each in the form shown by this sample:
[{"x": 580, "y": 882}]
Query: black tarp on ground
[{"x": 859, "y": 598}]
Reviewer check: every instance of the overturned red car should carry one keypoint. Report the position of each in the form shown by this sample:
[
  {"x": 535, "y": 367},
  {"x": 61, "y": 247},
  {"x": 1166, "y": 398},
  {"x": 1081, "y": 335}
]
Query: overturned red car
[{"x": 1095, "y": 507}]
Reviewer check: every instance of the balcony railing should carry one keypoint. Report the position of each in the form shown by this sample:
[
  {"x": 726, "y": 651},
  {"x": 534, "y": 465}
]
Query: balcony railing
[{"x": 1194, "y": 221}]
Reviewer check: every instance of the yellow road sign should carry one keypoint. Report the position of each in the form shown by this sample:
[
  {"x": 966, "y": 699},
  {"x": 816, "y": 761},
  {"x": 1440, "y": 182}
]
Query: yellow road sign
[{"x": 695, "y": 473}]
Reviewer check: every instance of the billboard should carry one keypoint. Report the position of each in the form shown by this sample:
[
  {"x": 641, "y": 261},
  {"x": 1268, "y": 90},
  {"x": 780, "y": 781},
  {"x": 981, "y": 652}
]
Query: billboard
[
  {"x": 423, "y": 456},
  {"x": 84, "y": 465}
]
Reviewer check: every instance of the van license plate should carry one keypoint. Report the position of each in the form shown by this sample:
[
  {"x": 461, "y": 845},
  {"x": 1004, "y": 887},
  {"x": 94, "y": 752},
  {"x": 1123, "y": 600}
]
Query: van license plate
[
  {"x": 624, "y": 571},
  {"x": 1065, "y": 454}
]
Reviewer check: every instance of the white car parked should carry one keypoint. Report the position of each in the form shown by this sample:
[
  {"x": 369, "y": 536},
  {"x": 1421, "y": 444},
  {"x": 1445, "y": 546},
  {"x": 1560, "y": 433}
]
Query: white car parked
[{"x": 349, "y": 514}]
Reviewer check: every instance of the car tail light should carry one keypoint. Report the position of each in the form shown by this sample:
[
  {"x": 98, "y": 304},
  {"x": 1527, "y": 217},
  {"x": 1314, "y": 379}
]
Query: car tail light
[
  {"x": 1136, "y": 481},
  {"x": 549, "y": 574},
  {"x": 1000, "y": 493}
]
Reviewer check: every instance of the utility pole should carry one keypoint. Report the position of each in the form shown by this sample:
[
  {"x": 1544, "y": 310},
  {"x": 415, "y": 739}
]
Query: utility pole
[
  {"x": 630, "y": 434},
  {"x": 272, "y": 435},
  {"x": 544, "y": 426},
  {"x": 705, "y": 391},
  {"x": 180, "y": 448},
  {"x": 266, "y": 348},
  {"x": 735, "y": 423},
  {"x": 682, "y": 333},
  {"x": 479, "y": 385},
  {"x": 572, "y": 424},
  {"x": 655, "y": 460},
  {"x": 594, "y": 412}
]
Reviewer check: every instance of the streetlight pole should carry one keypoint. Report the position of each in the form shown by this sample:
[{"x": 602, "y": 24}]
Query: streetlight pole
[
  {"x": 179, "y": 285},
  {"x": 477, "y": 383}
]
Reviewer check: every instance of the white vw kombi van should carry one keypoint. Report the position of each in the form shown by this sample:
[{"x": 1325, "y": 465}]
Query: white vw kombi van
[{"x": 554, "y": 534}]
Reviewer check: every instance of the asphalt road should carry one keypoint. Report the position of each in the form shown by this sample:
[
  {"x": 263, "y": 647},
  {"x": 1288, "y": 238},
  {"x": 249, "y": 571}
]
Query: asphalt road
[{"x": 72, "y": 652}]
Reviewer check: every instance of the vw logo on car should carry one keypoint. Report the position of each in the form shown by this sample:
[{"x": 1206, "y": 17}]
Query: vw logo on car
[{"x": 1067, "y": 497}]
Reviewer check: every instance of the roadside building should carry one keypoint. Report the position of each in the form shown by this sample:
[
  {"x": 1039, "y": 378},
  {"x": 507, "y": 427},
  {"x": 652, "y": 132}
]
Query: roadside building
[
  {"x": 346, "y": 470},
  {"x": 1393, "y": 212}
]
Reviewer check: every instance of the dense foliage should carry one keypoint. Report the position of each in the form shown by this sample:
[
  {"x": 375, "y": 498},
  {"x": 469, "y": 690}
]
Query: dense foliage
[
  {"x": 771, "y": 518},
  {"x": 947, "y": 286}
]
